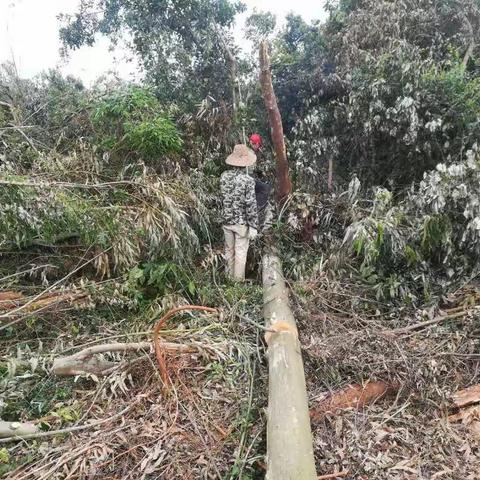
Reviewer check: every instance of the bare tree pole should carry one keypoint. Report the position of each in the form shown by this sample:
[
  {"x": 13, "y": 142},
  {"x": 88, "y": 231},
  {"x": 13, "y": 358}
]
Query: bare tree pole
[
  {"x": 233, "y": 68},
  {"x": 289, "y": 437},
  {"x": 471, "y": 34},
  {"x": 330, "y": 173},
  {"x": 284, "y": 183}
]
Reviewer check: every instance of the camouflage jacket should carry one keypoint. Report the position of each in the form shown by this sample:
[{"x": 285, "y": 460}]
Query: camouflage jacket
[
  {"x": 264, "y": 206},
  {"x": 238, "y": 195}
]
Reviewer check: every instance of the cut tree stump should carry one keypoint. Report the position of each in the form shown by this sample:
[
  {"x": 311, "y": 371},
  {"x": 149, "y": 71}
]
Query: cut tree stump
[{"x": 289, "y": 437}]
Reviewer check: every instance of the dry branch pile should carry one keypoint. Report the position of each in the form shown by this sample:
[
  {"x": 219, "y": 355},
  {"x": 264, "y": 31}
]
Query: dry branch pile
[{"x": 118, "y": 420}]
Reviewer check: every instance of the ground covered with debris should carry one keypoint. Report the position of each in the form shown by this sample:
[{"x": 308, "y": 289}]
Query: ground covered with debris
[
  {"x": 408, "y": 429},
  {"x": 208, "y": 422}
]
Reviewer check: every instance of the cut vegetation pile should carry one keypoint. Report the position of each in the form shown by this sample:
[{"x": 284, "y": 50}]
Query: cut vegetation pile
[{"x": 128, "y": 423}]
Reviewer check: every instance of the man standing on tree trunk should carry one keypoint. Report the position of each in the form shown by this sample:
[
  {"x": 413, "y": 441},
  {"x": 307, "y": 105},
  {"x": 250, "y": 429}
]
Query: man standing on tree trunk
[{"x": 240, "y": 217}]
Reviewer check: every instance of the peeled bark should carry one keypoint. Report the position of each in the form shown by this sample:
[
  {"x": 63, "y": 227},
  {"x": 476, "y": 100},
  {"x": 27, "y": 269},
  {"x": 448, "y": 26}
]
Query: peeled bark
[
  {"x": 353, "y": 396},
  {"x": 284, "y": 184},
  {"x": 467, "y": 397},
  {"x": 289, "y": 437},
  {"x": 88, "y": 362}
]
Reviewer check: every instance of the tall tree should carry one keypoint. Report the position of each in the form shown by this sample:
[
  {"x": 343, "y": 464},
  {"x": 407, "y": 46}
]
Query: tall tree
[
  {"x": 284, "y": 184},
  {"x": 184, "y": 46}
]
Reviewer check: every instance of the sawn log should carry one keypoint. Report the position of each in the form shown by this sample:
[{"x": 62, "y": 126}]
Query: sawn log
[{"x": 289, "y": 437}]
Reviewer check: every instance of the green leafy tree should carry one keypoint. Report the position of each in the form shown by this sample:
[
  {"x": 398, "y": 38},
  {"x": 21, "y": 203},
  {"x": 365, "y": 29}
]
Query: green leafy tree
[
  {"x": 183, "y": 46},
  {"x": 400, "y": 92}
]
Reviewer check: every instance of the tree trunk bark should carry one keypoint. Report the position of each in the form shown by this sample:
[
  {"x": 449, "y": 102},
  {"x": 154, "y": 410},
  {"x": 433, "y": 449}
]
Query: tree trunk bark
[
  {"x": 289, "y": 437},
  {"x": 284, "y": 184}
]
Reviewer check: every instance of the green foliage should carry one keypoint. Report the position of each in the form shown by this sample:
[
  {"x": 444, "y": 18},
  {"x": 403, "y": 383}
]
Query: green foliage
[
  {"x": 35, "y": 398},
  {"x": 153, "y": 138},
  {"x": 297, "y": 53},
  {"x": 121, "y": 106},
  {"x": 181, "y": 45},
  {"x": 393, "y": 101},
  {"x": 4, "y": 456},
  {"x": 66, "y": 414},
  {"x": 259, "y": 26},
  {"x": 427, "y": 241},
  {"x": 108, "y": 219},
  {"x": 435, "y": 234},
  {"x": 154, "y": 279},
  {"x": 132, "y": 122}
]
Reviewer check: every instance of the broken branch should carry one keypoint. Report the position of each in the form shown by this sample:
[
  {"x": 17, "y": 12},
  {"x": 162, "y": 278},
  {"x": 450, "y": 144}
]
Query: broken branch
[
  {"x": 85, "y": 361},
  {"x": 10, "y": 429},
  {"x": 32, "y": 436},
  {"x": 427, "y": 323}
]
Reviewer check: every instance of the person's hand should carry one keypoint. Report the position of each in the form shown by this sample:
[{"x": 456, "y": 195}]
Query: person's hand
[{"x": 252, "y": 233}]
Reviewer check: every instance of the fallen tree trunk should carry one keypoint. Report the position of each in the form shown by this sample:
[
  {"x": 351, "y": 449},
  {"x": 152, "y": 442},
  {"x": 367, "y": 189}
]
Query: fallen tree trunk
[
  {"x": 11, "y": 429},
  {"x": 88, "y": 362},
  {"x": 289, "y": 437}
]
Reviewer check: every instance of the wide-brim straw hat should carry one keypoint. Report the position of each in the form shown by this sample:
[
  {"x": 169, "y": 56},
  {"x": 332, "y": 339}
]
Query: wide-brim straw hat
[{"x": 242, "y": 156}]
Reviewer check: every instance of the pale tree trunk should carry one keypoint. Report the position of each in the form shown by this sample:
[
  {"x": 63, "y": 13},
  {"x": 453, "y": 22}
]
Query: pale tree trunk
[
  {"x": 471, "y": 46},
  {"x": 233, "y": 68},
  {"x": 330, "y": 174},
  {"x": 12, "y": 429},
  {"x": 284, "y": 184},
  {"x": 289, "y": 437},
  {"x": 90, "y": 361}
]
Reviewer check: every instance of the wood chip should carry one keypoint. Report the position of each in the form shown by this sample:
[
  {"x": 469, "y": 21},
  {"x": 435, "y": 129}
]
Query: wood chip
[{"x": 469, "y": 396}]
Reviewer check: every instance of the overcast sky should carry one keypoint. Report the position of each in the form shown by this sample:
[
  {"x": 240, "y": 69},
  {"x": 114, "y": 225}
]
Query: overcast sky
[{"x": 29, "y": 35}]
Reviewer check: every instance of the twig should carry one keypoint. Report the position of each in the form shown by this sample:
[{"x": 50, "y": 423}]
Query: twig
[
  {"x": 333, "y": 475},
  {"x": 65, "y": 430},
  {"x": 14, "y": 183},
  {"x": 255, "y": 324},
  {"x": 433, "y": 321}
]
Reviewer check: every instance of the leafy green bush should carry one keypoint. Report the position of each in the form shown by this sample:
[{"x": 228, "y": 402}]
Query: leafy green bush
[
  {"x": 153, "y": 138},
  {"x": 155, "y": 279},
  {"x": 132, "y": 122},
  {"x": 428, "y": 241}
]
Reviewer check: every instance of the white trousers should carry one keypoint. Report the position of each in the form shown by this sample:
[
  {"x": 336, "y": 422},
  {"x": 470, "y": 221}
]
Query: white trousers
[{"x": 236, "y": 249}]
